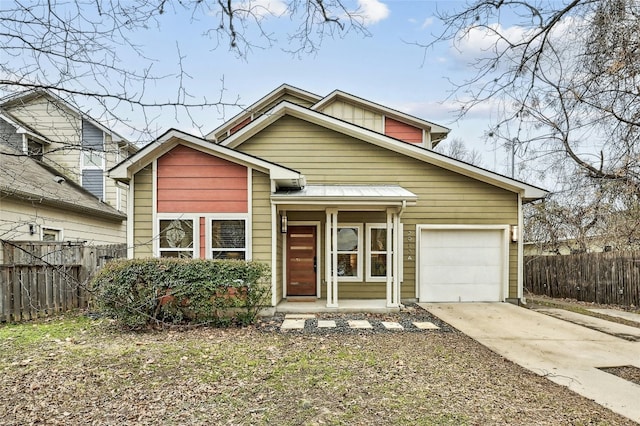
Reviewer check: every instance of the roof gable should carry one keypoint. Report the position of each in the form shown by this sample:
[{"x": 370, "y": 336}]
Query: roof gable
[
  {"x": 438, "y": 132},
  {"x": 284, "y": 92},
  {"x": 527, "y": 191},
  {"x": 23, "y": 98},
  {"x": 284, "y": 177}
]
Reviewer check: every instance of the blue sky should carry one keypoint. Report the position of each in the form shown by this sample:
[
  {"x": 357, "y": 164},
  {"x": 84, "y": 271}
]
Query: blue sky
[{"x": 385, "y": 68}]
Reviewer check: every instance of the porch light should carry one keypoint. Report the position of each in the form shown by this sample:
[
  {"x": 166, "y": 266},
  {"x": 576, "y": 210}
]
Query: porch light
[
  {"x": 514, "y": 233},
  {"x": 283, "y": 223}
]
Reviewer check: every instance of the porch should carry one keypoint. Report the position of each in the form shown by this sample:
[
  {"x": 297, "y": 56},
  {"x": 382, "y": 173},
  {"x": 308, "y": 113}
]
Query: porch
[
  {"x": 338, "y": 239},
  {"x": 378, "y": 306}
]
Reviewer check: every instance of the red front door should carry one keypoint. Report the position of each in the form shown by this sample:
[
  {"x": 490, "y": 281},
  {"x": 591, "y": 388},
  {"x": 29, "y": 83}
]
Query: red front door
[{"x": 301, "y": 261}]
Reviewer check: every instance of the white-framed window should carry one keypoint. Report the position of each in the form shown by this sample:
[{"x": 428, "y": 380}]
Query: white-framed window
[
  {"x": 51, "y": 234},
  {"x": 349, "y": 252},
  {"x": 377, "y": 251},
  {"x": 176, "y": 237},
  {"x": 34, "y": 149},
  {"x": 228, "y": 238},
  {"x": 92, "y": 159}
]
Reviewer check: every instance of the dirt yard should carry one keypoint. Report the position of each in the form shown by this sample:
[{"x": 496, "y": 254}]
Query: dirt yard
[{"x": 78, "y": 371}]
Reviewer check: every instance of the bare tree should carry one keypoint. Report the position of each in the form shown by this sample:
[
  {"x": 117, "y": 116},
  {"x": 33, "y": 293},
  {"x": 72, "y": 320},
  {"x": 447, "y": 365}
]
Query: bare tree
[
  {"x": 78, "y": 48},
  {"x": 457, "y": 149},
  {"x": 566, "y": 77}
]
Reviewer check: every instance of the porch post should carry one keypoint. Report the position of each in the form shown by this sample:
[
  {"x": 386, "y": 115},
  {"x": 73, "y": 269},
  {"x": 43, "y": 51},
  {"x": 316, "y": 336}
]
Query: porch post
[
  {"x": 331, "y": 244},
  {"x": 397, "y": 237},
  {"x": 391, "y": 261}
]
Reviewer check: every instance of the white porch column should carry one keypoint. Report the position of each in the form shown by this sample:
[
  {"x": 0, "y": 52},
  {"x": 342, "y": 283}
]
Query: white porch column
[
  {"x": 392, "y": 259},
  {"x": 397, "y": 238},
  {"x": 331, "y": 249}
]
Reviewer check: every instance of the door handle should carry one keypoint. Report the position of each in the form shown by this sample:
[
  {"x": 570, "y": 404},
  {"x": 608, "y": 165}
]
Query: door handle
[{"x": 315, "y": 264}]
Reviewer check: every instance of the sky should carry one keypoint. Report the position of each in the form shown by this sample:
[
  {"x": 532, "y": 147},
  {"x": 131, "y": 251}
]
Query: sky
[{"x": 386, "y": 67}]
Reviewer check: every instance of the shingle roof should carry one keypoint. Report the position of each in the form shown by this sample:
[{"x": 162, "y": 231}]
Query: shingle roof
[{"x": 27, "y": 179}]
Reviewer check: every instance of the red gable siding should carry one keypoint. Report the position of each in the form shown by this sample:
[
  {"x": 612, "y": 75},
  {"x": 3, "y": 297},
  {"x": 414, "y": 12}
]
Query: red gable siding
[
  {"x": 190, "y": 181},
  {"x": 402, "y": 131}
]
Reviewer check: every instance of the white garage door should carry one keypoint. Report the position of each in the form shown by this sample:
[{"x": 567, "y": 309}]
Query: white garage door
[{"x": 462, "y": 265}]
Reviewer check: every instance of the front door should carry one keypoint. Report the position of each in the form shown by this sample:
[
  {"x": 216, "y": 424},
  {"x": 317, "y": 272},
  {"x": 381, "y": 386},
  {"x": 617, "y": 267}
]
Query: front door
[{"x": 301, "y": 261}]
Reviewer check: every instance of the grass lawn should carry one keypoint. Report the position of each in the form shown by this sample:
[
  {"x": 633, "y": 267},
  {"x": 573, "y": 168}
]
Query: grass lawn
[{"x": 78, "y": 371}]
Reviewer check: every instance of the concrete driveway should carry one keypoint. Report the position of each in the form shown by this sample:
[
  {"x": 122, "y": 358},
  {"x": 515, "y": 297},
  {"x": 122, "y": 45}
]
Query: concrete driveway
[{"x": 565, "y": 353}]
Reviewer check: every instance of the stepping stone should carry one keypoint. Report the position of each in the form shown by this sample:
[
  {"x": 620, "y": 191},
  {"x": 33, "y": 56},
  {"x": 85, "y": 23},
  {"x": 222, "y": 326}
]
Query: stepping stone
[
  {"x": 426, "y": 325},
  {"x": 299, "y": 316},
  {"x": 360, "y": 324},
  {"x": 326, "y": 324},
  {"x": 392, "y": 325},
  {"x": 292, "y": 324}
]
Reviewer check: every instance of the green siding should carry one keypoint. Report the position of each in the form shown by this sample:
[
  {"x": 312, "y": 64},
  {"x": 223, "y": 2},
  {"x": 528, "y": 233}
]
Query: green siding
[
  {"x": 261, "y": 217},
  {"x": 143, "y": 213},
  {"x": 444, "y": 197}
]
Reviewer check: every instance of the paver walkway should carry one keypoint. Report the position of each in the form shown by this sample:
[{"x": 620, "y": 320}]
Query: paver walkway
[{"x": 300, "y": 321}]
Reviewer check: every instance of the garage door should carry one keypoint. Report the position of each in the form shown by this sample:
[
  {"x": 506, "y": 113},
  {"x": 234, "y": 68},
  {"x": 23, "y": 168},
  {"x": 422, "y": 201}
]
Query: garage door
[{"x": 462, "y": 265}]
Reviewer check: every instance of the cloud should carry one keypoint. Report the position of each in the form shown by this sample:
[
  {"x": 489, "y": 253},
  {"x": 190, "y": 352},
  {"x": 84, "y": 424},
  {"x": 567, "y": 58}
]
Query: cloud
[
  {"x": 427, "y": 22},
  {"x": 372, "y": 11},
  {"x": 261, "y": 9},
  {"x": 486, "y": 41}
]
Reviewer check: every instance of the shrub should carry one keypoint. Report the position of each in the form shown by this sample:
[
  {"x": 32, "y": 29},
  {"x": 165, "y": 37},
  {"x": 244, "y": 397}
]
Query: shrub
[{"x": 146, "y": 292}]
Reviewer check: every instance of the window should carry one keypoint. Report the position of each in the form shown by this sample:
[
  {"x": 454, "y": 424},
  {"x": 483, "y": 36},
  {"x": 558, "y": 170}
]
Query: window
[
  {"x": 377, "y": 252},
  {"x": 349, "y": 258},
  {"x": 35, "y": 149},
  {"x": 228, "y": 239},
  {"x": 92, "y": 159},
  {"x": 49, "y": 234},
  {"x": 176, "y": 238}
]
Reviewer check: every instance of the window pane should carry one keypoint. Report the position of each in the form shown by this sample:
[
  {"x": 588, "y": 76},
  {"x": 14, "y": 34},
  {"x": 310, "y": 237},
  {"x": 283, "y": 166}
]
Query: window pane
[
  {"x": 378, "y": 239},
  {"x": 50, "y": 235},
  {"x": 178, "y": 254},
  {"x": 92, "y": 159},
  {"x": 35, "y": 149},
  {"x": 227, "y": 234},
  {"x": 347, "y": 239},
  {"x": 347, "y": 265},
  {"x": 176, "y": 234},
  {"x": 379, "y": 265},
  {"x": 239, "y": 255}
]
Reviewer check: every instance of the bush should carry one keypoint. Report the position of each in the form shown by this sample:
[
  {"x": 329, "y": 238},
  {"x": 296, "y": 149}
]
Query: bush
[{"x": 147, "y": 292}]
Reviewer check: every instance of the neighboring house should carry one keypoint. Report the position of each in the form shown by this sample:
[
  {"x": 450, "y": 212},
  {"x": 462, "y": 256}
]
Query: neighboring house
[
  {"x": 53, "y": 183},
  {"x": 341, "y": 196}
]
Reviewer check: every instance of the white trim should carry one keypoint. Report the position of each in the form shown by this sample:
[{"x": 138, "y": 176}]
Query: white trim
[
  {"x": 520, "y": 245},
  {"x": 154, "y": 209},
  {"x": 275, "y": 225},
  {"x": 505, "y": 255},
  {"x": 60, "y": 232},
  {"x": 130, "y": 220},
  {"x": 318, "y": 225}
]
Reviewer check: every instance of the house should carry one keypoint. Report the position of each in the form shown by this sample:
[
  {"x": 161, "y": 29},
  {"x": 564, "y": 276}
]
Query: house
[
  {"x": 344, "y": 198},
  {"x": 53, "y": 184}
]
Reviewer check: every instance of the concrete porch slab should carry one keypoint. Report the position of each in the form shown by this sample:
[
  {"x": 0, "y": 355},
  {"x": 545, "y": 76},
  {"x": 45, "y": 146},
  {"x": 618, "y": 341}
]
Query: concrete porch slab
[{"x": 344, "y": 306}]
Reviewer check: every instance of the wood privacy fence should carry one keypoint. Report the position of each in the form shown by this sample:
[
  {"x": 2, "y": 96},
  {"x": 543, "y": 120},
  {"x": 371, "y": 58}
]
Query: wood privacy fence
[
  {"x": 38, "y": 279},
  {"x": 609, "y": 278}
]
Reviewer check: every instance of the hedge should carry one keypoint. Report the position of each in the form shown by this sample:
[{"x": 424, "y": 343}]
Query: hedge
[{"x": 151, "y": 292}]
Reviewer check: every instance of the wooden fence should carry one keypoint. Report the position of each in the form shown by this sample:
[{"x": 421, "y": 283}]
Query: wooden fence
[
  {"x": 38, "y": 279},
  {"x": 608, "y": 278}
]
